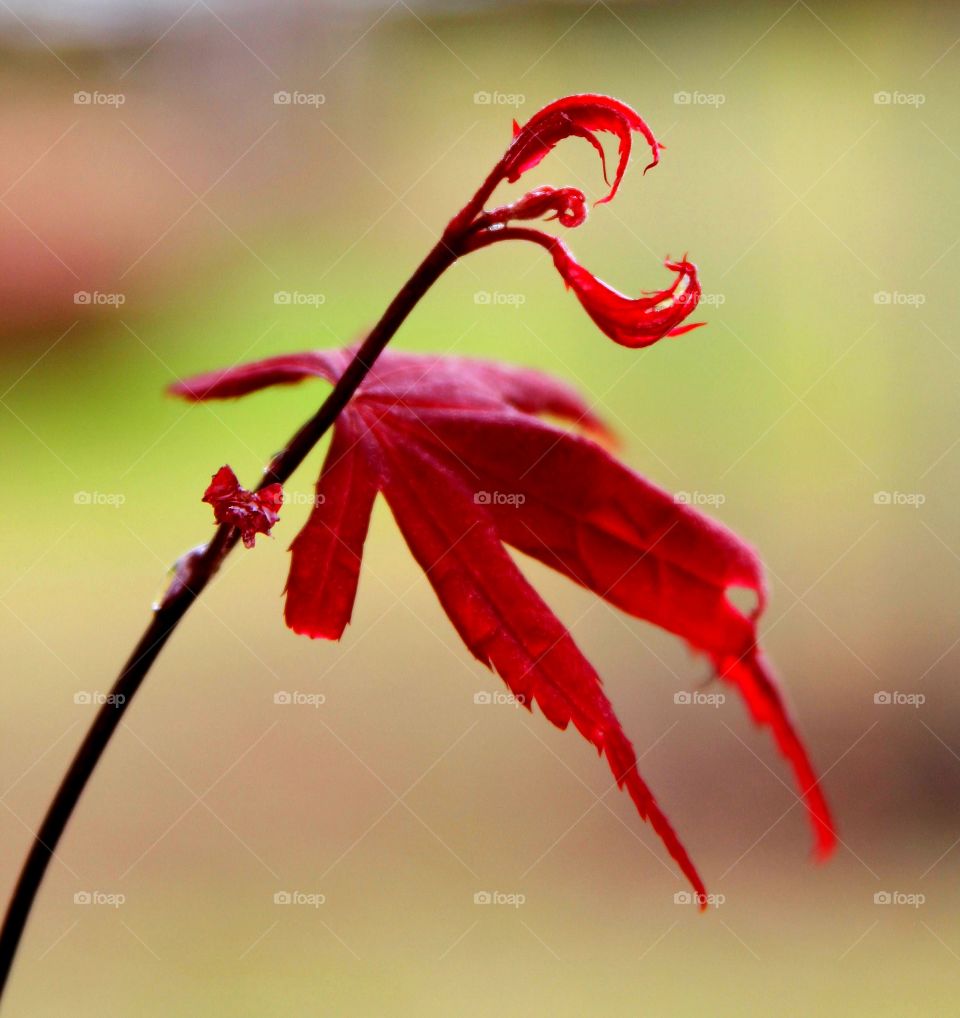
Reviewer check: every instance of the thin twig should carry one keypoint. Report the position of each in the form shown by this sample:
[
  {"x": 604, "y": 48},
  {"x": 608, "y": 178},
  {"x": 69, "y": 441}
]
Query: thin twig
[{"x": 197, "y": 570}]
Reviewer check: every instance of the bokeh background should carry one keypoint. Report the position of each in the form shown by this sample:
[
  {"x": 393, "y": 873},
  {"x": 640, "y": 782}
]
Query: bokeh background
[{"x": 811, "y": 173}]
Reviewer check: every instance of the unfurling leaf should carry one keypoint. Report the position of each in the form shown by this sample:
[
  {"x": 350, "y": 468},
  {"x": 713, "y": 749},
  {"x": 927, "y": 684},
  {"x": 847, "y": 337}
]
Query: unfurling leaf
[
  {"x": 579, "y": 116},
  {"x": 632, "y": 322}
]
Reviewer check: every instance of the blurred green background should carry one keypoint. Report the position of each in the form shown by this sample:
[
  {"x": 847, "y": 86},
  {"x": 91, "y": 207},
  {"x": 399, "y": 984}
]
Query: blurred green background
[{"x": 810, "y": 171}]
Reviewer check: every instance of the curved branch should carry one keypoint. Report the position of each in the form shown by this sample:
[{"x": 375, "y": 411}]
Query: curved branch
[{"x": 196, "y": 571}]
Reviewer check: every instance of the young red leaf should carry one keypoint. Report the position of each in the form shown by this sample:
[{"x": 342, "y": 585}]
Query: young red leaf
[
  {"x": 252, "y": 512},
  {"x": 629, "y": 321},
  {"x": 632, "y": 321},
  {"x": 467, "y": 465},
  {"x": 568, "y": 205},
  {"x": 578, "y": 116}
]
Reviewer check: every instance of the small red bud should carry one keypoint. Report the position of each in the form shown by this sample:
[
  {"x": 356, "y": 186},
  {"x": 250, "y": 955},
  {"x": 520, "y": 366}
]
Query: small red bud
[{"x": 251, "y": 512}]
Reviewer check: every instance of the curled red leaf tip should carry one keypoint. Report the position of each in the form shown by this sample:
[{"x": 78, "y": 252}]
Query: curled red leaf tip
[
  {"x": 579, "y": 116},
  {"x": 251, "y": 512},
  {"x": 633, "y": 321},
  {"x": 630, "y": 321}
]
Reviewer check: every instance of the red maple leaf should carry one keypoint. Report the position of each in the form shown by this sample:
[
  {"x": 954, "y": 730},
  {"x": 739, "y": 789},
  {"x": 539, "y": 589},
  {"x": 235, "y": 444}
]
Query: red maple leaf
[{"x": 467, "y": 464}]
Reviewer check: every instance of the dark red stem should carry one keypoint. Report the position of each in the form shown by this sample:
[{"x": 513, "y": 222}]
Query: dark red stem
[{"x": 200, "y": 568}]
